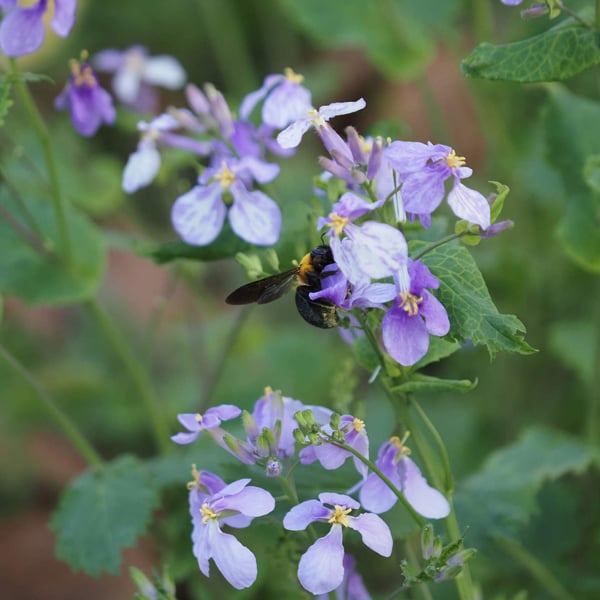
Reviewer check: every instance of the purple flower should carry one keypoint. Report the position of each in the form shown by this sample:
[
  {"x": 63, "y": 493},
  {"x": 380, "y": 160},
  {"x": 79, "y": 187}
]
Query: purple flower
[
  {"x": 394, "y": 463},
  {"x": 135, "y": 74},
  {"x": 286, "y": 99},
  {"x": 352, "y": 586},
  {"x": 511, "y": 2},
  {"x": 331, "y": 456},
  {"x": 321, "y": 568},
  {"x": 414, "y": 315},
  {"x": 291, "y": 136},
  {"x": 235, "y": 505},
  {"x": 423, "y": 168},
  {"x": 22, "y": 30},
  {"x": 198, "y": 215},
  {"x": 88, "y": 103},
  {"x": 211, "y": 419}
]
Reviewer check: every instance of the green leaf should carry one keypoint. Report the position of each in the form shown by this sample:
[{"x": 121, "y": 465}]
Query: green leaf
[
  {"x": 473, "y": 315},
  {"x": 396, "y": 43},
  {"x": 438, "y": 348},
  {"x": 30, "y": 270},
  {"x": 555, "y": 55},
  {"x": 427, "y": 383},
  {"x": 502, "y": 192},
  {"x": 102, "y": 512},
  {"x": 500, "y": 499},
  {"x": 591, "y": 172},
  {"x": 573, "y": 122}
]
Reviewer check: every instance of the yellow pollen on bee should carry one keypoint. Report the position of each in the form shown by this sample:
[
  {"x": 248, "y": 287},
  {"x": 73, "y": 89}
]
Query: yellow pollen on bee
[
  {"x": 337, "y": 223},
  {"x": 207, "y": 513},
  {"x": 358, "y": 424},
  {"x": 225, "y": 177},
  {"x": 195, "y": 483},
  {"x": 292, "y": 76},
  {"x": 83, "y": 74},
  {"x": 340, "y": 515},
  {"x": 410, "y": 303},
  {"x": 454, "y": 161}
]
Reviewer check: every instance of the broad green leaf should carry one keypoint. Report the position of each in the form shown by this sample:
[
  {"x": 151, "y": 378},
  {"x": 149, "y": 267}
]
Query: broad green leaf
[
  {"x": 573, "y": 122},
  {"x": 555, "y": 55},
  {"x": 395, "y": 42},
  {"x": 501, "y": 498},
  {"x": 102, "y": 512},
  {"x": 427, "y": 383},
  {"x": 438, "y": 348},
  {"x": 39, "y": 278},
  {"x": 473, "y": 316}
]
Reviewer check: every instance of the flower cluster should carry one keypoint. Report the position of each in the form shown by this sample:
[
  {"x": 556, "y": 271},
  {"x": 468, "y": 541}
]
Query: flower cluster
[{"x": 274, "y": 429}]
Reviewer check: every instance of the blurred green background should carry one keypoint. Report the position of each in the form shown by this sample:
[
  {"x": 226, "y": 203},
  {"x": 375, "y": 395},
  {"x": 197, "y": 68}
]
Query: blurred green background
[{"x": 404, "y": 58}]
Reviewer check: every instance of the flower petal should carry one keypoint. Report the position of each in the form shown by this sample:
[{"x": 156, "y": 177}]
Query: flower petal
[
  {"x": 436, "y": 317},
  {"x": 375, "y": 496},
  {"x": 64, "y": 16},
  {"x": 374, "y": 532},
  {"x": 470, "y": 205},
  {"x": 164, "y": 71},
  {"x": 185, "y": 438},
  {"x": 254, "y": 216},
  {"x": 252, "y": 501},
  {"x": 405, "y": 338},
  {"x": 22, "y": 30},
  {"x": 291, "y": 136},
  {"x": 302, "y": 515},
  {"x": 427, "y": 501},
  {"x": 321, "y": 567},
  {"x": 142, "y": 167}
]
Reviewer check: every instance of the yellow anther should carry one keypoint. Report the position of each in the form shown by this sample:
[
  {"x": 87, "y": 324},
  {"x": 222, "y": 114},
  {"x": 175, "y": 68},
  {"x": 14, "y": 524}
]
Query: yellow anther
[
  {"x": 226, "y": 177},
  {"x": 358, "y": 424},
  {"x": 290, "y": 75},
  {"x": 403, "y": 450},
  {"x": 454, "y": 161},
  {"x": 207, "y": 513},
  {"x": 195, "y": 483},
  {"x": 410, "y": 303},
  {"x": 268, "y": 390},
  {"x": 83, "y": 75},
  {"x": 337, "y": 223},
  {"x": 199, "y": 418},
  {"x": 340, "y": 515}
]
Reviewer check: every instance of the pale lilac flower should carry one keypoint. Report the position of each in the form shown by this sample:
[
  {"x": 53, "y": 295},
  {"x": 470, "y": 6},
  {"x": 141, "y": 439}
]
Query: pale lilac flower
[
  {"x": 394, "y": 463},
  {"x": 234, "y": 505},
  {"x": 511, "y": 2},
  {"x": 414, "y": 315},
  {"x": 22, "y": 30},
  {"x": 285, "y": 99},
  {"x": 321, "y": 568},
  {"x": 423, "y": 168},
  {"x": 136, "y": 73},
  {"x": 331, "y": 456},
  {"x": 352, "y": 586},
  {"x": 195, "y": 423},
  {"x": 88, "y": 104},
  {"x": 199, "y": 214},
  {"x": 291, "y": 136}
]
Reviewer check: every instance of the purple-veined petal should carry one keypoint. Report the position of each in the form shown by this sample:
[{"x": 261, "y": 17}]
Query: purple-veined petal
[
  {"x": 22, "y": 30},
  {"x": 164, "y": 71},
  {"x": 375, "y": 496},
  {"x": 405, "y": 338},
  {"x": 321, "y": 567},
  {"x": 201, "y": 543},
  {"x": 238, "y": 521},
  {"x": 225, "y": 412},
  {"x": 236, "y": 563},
  {"x": 185, "y": 438},
  {"x": 352, "y": 206},
  {"x": 252, "y": 501},
  {"x": 291, "y": 136},
  {"x": 436, "y": 317},
  {"x": 341, "y": 108},
  {"x": 427, "y": 501},
  {"x": 423, "y": 191},
  {"x": 64, "y": 16},
  {"x": 330, "y": 456},
  {"x": 198, "y": 215},
  {"x": 190, "y": 421},
  {"x": 235, "y": 487},
  {"x": 339, "y": 499},
  {"x": 511, "y": 2},
  {"x": 374, "y": 532},
  {"x": 469, "y": 204},
  {"x": 286, "y": 103},
  {"x": 302, "y": 515},
  {"x": 261, "y": 171},
  {"x": 142, "y": 166},
  {"x": 254, "y": 216},
  {"x": 307, "y": 455},
  {"x": 410, "y": 157},
  {"x": 421, "y": 277}
]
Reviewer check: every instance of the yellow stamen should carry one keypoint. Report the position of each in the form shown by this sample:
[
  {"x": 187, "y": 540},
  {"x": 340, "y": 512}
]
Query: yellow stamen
[
  {"x": 290, "y": 75},
  {"x": 410, "y": 303},
  {"x": 339, "y": 515},
  {"x": 199, "y": 418},
  {"x": 207, "y": 513},
  {"x": 195, "y": 483},
  {"x": 358, "y": 424},
  {"x": 337, "y": 223},
  {"x": 454, "y": 161},
  {"x": 226, "y": 177},
  {"x": 83, "y": 74},
  {"x": 403, "y": 450},
  {"x": 268, "y": 390}
]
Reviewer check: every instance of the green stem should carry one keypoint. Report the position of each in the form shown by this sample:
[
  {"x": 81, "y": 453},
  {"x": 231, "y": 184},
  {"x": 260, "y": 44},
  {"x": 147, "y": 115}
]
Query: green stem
[
  {"x": 463, "y": 581},
  {"x": 537, "y": 570},
  {"x": 136, "y": 372},
  {"x": 36, "y": 121},
  {"x": 69, "y": 428},
  {"x": 440, "y": 242},
  {"x": 574, "y": 15}
]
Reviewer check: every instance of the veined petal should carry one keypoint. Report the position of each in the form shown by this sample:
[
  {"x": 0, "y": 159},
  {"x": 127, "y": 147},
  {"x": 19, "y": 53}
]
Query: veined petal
[
  {"x": 321, "y": 567},
  {"x": 142, "y": 167},
  {"x": 436, "y": 317},
  {"x": 342, "y": 499},
  {"x": 375, "y": 496},
  {"x": 423, "y": 191},
  {"x": 405, "y": 338},
  {"x": 426, "y": 500},
  {"x": 225, "y": 412},
  {"x": 254, "y": 216},
  {"x": 470, "y": 205},
  {"x": 185, "y": 438},
  {"x": 201, "y": 544},
  {"x": 189, "y": 421},
  {"x": 302, "y": 515},
  {"x": 164, "y": 71},
  {"x": 22, "y": 30},
  {"x": 252, "y": 501},
  {"x": 374, "y": 532},
  {"x": 410, "y": 157},
  {"x": 341, "y": 108},
  {"x": 236, "y": 563},
  {"x": 253, "y": 98},
  {"x": 330, "y": 456},
  {"x": 286, "y": 103},
  {"x": 291, "y": 136},
  {"x": 199, "y": 214},
  {"x": 64, "y": 16}
]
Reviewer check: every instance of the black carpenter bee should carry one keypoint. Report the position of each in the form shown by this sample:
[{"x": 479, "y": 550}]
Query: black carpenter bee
[{"x": 307, "y": 277}]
